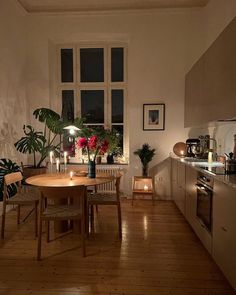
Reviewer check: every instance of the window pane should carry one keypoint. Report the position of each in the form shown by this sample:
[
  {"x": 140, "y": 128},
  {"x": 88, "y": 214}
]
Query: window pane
[
  {"x": 91, "y": 65},
  {"x": 92, "y": 106},
  {"x": 117, "y": 64},
  {"x": 66, "y": 65},
  {"x": 117, "y": 105},
  {"x": 67, "y": 105},
  {"x": 119, "y": 129}
]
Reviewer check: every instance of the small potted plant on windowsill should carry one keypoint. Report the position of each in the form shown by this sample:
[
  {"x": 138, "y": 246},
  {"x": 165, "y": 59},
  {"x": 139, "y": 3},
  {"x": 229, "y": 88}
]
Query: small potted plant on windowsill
[
  {"x": 114, "y": 149},
  {"x": 145, "y": 154}
]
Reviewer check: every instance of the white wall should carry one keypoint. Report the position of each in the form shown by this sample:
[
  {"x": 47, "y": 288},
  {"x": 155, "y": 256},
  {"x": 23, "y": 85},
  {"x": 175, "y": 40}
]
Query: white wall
[
  {"x": 13, "y": 107},
  {"x": 161, "y": 47}
]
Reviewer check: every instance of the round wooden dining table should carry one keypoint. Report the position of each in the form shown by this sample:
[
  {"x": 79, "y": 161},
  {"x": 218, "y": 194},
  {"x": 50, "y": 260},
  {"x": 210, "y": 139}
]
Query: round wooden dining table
[{"x": 64, "y": 180}]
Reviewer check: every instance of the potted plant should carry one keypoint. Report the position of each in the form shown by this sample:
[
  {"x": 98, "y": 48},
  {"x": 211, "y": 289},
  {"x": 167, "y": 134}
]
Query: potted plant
[
  {"x": 93, "y": 141},
  {"x": 145, "y": 154},
  {"x": 114, "y": 149},
  {"x": 41, "y": 143},
  {"x": 6, "y": 167}
]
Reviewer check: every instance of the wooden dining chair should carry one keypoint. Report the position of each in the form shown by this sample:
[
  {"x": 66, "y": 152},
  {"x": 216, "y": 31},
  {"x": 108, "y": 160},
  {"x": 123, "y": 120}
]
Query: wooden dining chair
[
  {"x": 98, "y": 198},
  {"x": 74, "y": 209},
  {"x": 12, "y": 181}
]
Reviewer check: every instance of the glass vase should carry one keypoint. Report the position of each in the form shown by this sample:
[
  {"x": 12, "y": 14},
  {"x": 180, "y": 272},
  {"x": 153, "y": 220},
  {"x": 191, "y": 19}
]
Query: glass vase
[{"x": 91, "y": 169}]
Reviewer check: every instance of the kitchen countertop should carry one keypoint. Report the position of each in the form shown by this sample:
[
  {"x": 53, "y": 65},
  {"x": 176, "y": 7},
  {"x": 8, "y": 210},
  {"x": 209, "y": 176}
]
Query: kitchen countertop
[{"x": 229, "y": 179}]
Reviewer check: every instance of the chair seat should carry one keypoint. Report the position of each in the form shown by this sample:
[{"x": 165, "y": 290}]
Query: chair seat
[
  {"x": 99, "y": 198},
  {"x": 61, "y": 212},
  {"x": 23, "y": 198}
]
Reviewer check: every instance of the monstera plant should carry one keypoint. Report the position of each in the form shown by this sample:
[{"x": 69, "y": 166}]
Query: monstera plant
[
  {"x": 6, "y": 167},
  {"x": 41, "y": 142}
]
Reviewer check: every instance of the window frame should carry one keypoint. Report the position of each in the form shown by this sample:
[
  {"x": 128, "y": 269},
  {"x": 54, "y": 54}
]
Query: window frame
[{"x": 107, "y": 85}]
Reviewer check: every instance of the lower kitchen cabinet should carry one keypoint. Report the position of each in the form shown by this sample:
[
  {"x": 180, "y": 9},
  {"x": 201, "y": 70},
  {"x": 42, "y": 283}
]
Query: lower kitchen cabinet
[
  {"x": 178, "y": 184},
  {"x": 224, "y": 229}
]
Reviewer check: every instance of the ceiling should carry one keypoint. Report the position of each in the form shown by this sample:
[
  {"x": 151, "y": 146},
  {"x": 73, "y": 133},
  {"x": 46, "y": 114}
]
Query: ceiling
[{"x": 61, "y": 6}]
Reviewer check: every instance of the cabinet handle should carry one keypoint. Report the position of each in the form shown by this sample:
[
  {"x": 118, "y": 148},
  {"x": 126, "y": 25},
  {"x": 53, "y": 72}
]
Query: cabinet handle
[{"x": 224, "y": 229}]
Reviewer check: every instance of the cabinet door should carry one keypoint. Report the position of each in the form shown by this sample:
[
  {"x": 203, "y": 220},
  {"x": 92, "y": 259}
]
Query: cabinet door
[
  {"x": 191, "y": 194},
  {"x": 224, "y": 229},
  {"x": 178, "y": 184}
]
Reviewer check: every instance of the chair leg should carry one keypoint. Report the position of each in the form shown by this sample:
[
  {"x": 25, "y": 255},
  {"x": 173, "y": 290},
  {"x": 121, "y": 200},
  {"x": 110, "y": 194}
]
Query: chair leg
[
  {"x": 39, "y": 240},
  {"x": 83, "y": 237},
  {"x": 3, "y": 220},
  {"x": 18, "y": 214},
  {"x": 119, "y": 221},
  {"x": 36, "y": 219},
  {"x": 48, "y": 230}
]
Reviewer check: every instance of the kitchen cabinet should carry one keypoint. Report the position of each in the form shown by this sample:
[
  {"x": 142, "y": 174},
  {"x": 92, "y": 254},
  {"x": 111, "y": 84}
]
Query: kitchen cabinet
[
  {"x": 210, "y": 85},
  {"x": 224, "y": 229},
  {"x": 191, "y": 195},
  {"x": 178, "y": 184}
]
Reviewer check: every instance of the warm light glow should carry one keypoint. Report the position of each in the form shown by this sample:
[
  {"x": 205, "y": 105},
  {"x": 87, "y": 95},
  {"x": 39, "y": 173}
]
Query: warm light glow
[
  {"x": 182, "y": 153},
  {"x": 72, "y": 131},
  {"x": 51, "y": 156},
  {"x": 210, "y": 159},
  {"x": 57, "y": 164},
  {"x": 145, "y": 187},
  {"x": 71, "y": 175},
  {"x": 65, "y": 158}
]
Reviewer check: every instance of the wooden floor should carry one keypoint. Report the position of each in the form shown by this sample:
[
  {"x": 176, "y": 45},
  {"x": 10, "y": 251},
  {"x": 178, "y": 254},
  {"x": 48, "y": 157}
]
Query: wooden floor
[{"x": 159, "y": 255}]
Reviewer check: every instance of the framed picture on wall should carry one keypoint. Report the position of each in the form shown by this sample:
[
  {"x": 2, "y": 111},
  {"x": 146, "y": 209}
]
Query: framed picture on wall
[{"x": 154, "y": 116}]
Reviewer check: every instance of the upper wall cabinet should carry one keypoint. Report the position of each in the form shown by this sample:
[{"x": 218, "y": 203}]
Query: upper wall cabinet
[{"x": 210, "y": 86}]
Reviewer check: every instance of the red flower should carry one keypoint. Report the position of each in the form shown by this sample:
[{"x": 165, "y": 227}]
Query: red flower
[
  {"x": 82, "y": 142},
  {"x": 104, "y": 147},
  {"x": 92, "y": 143}
]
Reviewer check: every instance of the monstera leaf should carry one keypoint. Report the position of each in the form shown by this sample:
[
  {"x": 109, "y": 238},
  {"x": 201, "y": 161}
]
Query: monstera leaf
[
  {"x": 32, "y": 141},
  {"x": 50, "y": 118},
  {"x": 6, "y": 167}
]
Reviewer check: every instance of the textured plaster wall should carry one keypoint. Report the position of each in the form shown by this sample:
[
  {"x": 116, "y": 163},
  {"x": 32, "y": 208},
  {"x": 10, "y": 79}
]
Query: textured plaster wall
[{"x": 13, "y": 106}]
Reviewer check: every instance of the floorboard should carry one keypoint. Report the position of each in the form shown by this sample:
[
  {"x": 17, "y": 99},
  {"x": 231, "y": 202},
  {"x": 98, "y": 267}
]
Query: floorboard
[{"x": 159, "y": 255}]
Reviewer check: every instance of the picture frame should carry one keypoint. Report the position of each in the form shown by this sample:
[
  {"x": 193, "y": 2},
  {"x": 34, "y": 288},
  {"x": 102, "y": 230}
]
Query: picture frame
[{"x": 154, "y": 117}]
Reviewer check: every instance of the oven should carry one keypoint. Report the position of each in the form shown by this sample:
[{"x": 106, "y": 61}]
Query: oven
[{"x": 204, "y": 187}]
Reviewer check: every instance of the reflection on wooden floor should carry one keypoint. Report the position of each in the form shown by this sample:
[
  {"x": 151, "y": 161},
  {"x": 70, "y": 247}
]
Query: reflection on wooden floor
[{"x": 159, "y": 255}]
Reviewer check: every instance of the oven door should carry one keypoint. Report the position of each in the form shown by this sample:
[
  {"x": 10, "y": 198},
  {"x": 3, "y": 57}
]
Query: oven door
[{"x": 204, "y": 205}]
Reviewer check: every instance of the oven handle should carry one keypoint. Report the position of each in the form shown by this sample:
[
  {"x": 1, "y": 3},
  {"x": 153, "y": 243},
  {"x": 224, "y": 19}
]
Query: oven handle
[{"x": 202, "y": 189}]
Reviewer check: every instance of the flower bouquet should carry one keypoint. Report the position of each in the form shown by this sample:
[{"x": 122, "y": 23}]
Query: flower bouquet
[{"x": 93, "y": 142}]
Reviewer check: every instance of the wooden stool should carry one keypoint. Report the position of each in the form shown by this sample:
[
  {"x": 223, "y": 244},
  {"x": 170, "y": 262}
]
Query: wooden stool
[{"x": 142, "y": 186}]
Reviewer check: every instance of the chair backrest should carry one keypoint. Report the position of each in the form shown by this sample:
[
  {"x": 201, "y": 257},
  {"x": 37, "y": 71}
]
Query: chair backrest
[
  {"x": 12, "y": 184},
  {"x": 75, "y": 193},
  {"x": 13, "y": 178}
]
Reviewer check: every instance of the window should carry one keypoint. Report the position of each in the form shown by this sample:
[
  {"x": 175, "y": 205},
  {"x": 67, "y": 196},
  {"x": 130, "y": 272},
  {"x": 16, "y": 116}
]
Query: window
[{"x": 92, "y": 84}]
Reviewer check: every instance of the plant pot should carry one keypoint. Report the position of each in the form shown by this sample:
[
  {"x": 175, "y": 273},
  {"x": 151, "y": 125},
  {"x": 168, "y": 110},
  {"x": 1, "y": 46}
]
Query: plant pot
[
  {"x": 29, "y": 171},
  {"x": 91, "y": 169},
  {"x": 145, "y": 171},
  {"x": 110, "y": 159}
]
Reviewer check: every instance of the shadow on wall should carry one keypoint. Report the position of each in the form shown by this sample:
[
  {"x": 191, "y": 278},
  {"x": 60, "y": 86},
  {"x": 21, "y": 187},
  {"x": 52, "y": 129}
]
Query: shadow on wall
[
  {"x": 161, "y": 174},
  {"x": 7, "y": 139}
]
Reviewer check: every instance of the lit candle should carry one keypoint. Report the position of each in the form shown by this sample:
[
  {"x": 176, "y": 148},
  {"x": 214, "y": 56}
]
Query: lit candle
[
  {"x": 71, "y": 175},
  {"x": 65, "y": 158},
  {"x": 57, "y": 164},
  {"x": 145, "y": 187},
  {"x": 51, "y": 157},
  {"x": 210, "y": 157}
]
